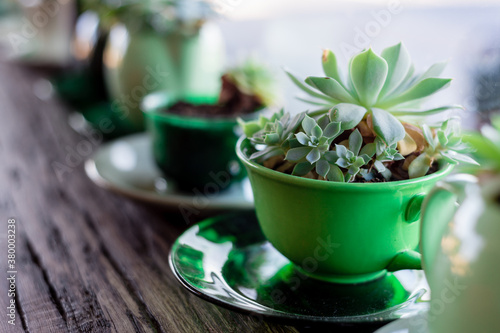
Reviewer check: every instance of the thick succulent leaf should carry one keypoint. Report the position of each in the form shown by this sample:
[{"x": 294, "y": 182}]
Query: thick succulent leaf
[
  {"x": 379, "y": 166},
  {"x": 368, "y": 75},
  {"x": 355, "y": 142},
  {"x": 428, "y": 136},
  {"x": 323, "y": 121},
  {"x": 349, "y": 115},
  {"x": 434, "y": 71},
  {"x": 420, "y": 166},
  {"x": 331, "y": 156},
  {"x": 309, "y": 91},
  {"x": 313, "y": 156},
  {"x": 399, "y": 63},
  {"x": 302, "y": 138},
  {"x": 443, "y": 140},
  {"x": 322, "y": 168},
  {"x": 266, "y": 153},
  {"x": 369, "y": 150},
  {"x": 330, "y": 66},
  {"x": 332, "y": 130},
  {"x": 341, "y": 151},
  {"x": 296, "y": 154},
  {"x": 342, "y": 162},
  {"x": 294, "y": 124},
  {"x": 387, "y": 126},
  {"x": 422, "y": 89},
  {"x": 317, "y": 132},
  {"x": 316, "y": 103},
  {"x": 272, "y": 139},
  {"x": 308, "y": 124},
  {"x": 302, "y": 169},
  {"x": 407, "y": 82},
  {"x": 459, "y": 157},
  {"x": 335, "y": 174},
  {"x": 402, "y": 112},
  {"x": 331, "y": 87},
  {"x": 249, "y": 128}
]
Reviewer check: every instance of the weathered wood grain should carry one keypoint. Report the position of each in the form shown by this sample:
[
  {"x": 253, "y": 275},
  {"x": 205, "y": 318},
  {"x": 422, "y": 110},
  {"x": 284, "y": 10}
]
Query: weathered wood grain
[{"x": 89, "y": 261}]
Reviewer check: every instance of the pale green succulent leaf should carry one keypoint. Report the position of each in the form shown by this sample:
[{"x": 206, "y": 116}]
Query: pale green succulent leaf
[
  {"x": 272, "y": 139},
  {"x": 368, "y": 73},
  {"x": 459, "y": 157},
  {"x": 331, "y": 156},
  {"x": 398, "y": 112},
  {"x": 443, "y": 140},
  {"x": 379, "y": 166},
  {"x": 332, "y": 130},
  {"x": 420, "y": 90},
  {"x": 399, "y": 63},
  {"x": 420, "y": 166},
  {"x": 308, "y": 124},
  {"x": 330, "y": 66},
  {"x": 297, "y": 154},
  {"x": 317, "y": 132},
  {"x": 302, "y": 138},
  {"x": 331, "y": 87},
  {"x": 266, "y": 153},
  {"x": 428, "y": 136},
  {"x": 368, "y": 149},
  {"x": 355, "y": 141},
  {"x": 349, "y": 115},
  {"x": 322, "y": 168},
  {"x": 335, "y": 174},
  {"x": 387, "y": 126},
  {"x": 434, "y": 71},
  {"x": 309, "y": 91},
  {"x": 313, "y": 156},
  {"x": 302, "y": 169}
]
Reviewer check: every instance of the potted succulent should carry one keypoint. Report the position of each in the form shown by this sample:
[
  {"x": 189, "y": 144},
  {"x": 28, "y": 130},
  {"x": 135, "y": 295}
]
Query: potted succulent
[
  {"x": 460, "y": 243},
  {"x": 194, "y": 136},
  {"x": 160, "y": 45},
  {"x": 353, "y": 172}
]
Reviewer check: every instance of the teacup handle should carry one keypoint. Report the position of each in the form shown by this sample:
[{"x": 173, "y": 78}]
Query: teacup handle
[{"x": 438, "y": 210}]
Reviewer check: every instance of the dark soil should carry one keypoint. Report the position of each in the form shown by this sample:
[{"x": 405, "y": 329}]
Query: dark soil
[{"x": 232, "y": 102}]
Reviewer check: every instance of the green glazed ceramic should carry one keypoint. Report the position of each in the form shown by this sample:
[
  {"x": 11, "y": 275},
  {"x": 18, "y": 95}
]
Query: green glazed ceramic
[
  {"x": 461, "y": 255},
  {"x": 368, "y": 228},
  {"x": 195, "y": 152},
  {"x": 126, "y": 166},
  {"x": 228, "y": 261},
  {"x": 139, "y": 61}
]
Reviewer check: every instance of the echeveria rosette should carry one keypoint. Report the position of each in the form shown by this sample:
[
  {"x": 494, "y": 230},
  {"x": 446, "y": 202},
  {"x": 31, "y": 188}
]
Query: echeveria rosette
[
  {"x": 309, "y": 146},
  {"x": 272, "y": 133},
  {"x": 255, "y": 79},
  {"x": 445, "y": 145},
  {"x": 351, "y": 159},
  {"x": 487, "y": 146},
  {"x": 384, "y": 86}
]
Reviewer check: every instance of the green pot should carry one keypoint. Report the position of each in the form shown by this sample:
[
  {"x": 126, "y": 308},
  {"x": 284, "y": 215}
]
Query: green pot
[
  {"x": 460, "y": 248},
  {"x": 197, "y": 153},
  {"x": 139, "y": 61},
  {"x": 339, "y": 232}
]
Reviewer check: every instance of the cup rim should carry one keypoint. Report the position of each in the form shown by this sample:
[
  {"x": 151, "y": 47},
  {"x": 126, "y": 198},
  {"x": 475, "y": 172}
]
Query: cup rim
[{"x": 445, "y": 170}]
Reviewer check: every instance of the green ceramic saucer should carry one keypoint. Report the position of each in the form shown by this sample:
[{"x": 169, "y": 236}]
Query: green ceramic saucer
[
  {"x": 126, "y": 166},
  {"x": 227, "y": 261}
]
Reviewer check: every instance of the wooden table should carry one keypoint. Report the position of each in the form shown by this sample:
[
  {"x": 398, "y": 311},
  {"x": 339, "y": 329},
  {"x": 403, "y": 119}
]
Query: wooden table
[{"x": 86, "y": 260}]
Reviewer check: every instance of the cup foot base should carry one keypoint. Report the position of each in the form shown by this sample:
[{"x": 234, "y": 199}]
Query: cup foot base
[{"x": 346, "y": 279}]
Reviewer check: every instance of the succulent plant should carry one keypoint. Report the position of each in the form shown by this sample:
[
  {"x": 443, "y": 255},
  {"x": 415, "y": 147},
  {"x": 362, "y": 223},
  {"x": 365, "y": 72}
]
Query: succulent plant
[
  {"x": 384, "y": 87},
  {"x": 446, "y": 144},
  {"x": 255, "y": 79},
  {"x": 357, "y": 135},
  {"x": 487, "y": 146}
]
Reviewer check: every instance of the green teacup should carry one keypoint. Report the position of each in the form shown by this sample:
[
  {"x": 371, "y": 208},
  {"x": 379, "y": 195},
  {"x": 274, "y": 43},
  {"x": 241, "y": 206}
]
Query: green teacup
[
  {"x": 340, "y": 232},
  {"x": 197, "y": 153}
]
